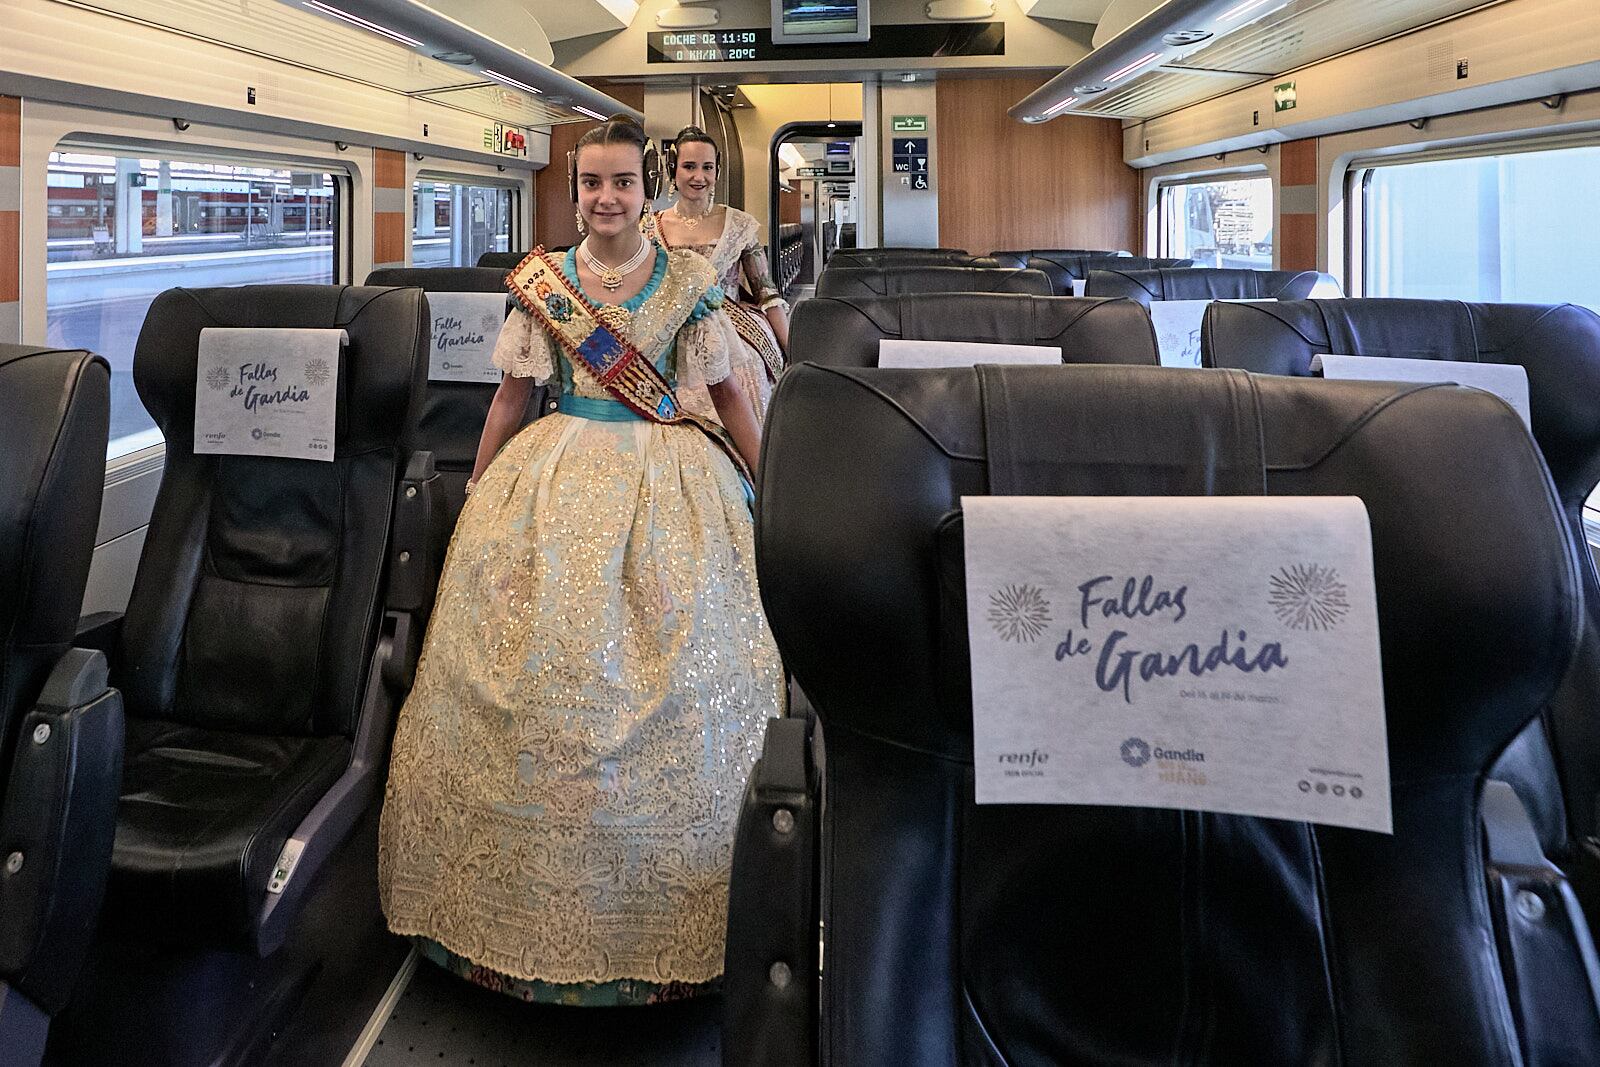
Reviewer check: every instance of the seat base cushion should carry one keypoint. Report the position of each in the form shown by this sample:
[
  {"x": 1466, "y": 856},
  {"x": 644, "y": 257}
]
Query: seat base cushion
[{"x": 202, "y": 818}]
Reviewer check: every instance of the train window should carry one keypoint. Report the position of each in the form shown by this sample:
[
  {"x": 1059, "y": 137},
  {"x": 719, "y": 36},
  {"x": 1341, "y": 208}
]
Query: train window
[
  {"x": 1516, "y": 226},
  {"x": 1218, "y": 223},
  {"x": 453, "y": 222},
  {"x": 1520, "y": 225},
  {"x": 121, "y": 229}
]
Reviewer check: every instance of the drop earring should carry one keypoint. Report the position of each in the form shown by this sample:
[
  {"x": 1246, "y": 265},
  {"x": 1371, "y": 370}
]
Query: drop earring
[{"x": 582, "y": 229}]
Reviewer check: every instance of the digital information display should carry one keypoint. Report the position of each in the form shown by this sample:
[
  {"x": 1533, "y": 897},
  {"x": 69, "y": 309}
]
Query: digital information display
[{"x": 910, "y": 41}]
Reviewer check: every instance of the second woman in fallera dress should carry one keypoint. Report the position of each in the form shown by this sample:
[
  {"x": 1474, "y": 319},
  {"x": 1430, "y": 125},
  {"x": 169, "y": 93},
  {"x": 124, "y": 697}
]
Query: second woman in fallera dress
[{"x": 730, "y": 240}]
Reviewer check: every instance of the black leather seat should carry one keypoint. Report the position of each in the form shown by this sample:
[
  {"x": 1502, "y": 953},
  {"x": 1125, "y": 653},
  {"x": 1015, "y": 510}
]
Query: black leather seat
[
  {"x": 872, "y": 258},
  {"x": 900, "y": 280},
  {"x": 1018, "y": 934},
  {"x": 1555, "y": 764},
  {"x": 845, "y": 332},
  {"x": 1064, "y": 269},
  {"x": 1020, "y": 257},
  {"x": 453, "y": 413},
  {"x": 502, "y": 261},
  {"x": 1207, "y": 283},
  {"x": 255, "y": 645},
  {"x": 60, "y": 725}
]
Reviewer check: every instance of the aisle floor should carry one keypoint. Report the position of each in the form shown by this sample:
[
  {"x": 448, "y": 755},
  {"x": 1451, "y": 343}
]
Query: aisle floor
[{"x": 444, "y": 1021}]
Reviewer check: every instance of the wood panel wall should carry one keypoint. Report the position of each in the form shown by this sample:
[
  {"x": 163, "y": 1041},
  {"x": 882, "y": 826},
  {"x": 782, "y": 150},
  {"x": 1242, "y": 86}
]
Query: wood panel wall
[
  {"x": 788, "y": 205},
  {"x": 391, "y": 208},
  {"x": 1006, "y": 185},
  {"x": 10, "y": 216},
  {"x": 554, "y": 213},
  {"x": 1297, "y": 190}
]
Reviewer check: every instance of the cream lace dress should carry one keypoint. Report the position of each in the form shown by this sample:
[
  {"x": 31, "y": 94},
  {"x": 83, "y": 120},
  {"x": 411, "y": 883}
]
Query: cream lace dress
[
  {"x": 568, "y": 769},
  {"x": 735, "y": 253}
]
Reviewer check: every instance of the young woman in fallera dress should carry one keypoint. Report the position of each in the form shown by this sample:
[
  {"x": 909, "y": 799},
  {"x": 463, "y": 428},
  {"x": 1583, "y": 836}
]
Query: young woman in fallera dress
[
  {"x": 730, "y": 240},
  {"x": 568, "y": 768}
]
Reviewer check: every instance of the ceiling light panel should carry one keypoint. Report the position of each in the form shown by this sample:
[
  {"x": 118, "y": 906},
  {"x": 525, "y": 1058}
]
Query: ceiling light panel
[{"x": 1308, "y": 31}]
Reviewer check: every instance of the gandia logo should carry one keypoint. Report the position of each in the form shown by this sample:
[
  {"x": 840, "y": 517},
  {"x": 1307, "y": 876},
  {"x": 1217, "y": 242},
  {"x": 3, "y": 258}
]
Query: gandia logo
[{"x": 1135, "y": 752}]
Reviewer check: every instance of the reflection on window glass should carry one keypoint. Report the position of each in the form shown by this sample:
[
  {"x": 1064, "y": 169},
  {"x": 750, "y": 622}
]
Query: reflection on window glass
[
  {"x": 123, "y": 229},
  {"x": 1522, "y": 228},
  {"x": 1219, "y": 224},
  {"x": 453, "y": 224}
]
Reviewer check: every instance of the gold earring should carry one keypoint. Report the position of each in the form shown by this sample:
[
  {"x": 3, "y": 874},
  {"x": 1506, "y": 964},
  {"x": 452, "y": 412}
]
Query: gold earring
[{"x": 582, "y": 229}]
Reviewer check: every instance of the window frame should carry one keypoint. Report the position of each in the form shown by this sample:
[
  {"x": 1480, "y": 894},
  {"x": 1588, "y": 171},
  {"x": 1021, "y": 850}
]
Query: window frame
[
  {"x": 1358, "y": 173},
  {"x": 125, "y": 464},
  {"x": 1359, "y": 170},
  {"x": 428, "y": 174},
  {"x": 1254, "y": 172}
]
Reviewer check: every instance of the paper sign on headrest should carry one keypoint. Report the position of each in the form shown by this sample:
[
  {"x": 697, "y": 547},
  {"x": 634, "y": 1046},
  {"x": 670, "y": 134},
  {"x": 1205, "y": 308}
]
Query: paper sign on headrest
[
  {"x": 1508, "y": 381},
  {"x": 1326, "y": 288},
  {"x": 1177, "y": 324},
  {"x": 267, "y": 392},
  {"x": 1078, "y": 285},
  {"x": 465, "y": 328},
  {"x": 923, "y": 354},
  {"x": 1201, "y": 653}
]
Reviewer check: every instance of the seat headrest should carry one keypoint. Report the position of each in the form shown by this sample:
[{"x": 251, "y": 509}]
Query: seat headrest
[
  {"x": 1020, "y": 257},
  {"x": 1471, "y": 650},
  {"x": 504, "y": 260},
  {"x": 1558, "y": 345},
  {"x": 873, "y": 258},
  {"x": 1203, "y": 283},
  {"x": 898, "y": 280},
  {"x": 844, "y": 332},
  {"x": 385, "y": 362},
  {"x": 53, "y": 438},
  {"x": 443, "y": 279}
]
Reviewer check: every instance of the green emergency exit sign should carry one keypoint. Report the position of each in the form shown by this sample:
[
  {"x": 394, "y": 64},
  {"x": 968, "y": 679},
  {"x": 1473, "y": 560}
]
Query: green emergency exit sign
[
  {"x": 909, "y": 124},
  {"x": 1284, "y": 97}
]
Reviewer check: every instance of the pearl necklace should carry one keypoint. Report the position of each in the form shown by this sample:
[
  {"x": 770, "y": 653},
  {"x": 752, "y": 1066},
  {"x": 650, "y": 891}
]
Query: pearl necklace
[{"x": 611, "y": 277}]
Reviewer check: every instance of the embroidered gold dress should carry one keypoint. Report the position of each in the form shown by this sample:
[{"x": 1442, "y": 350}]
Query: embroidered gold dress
[
  {"x": 739, "y": 254},
  {"x": 568, "y": 768}
]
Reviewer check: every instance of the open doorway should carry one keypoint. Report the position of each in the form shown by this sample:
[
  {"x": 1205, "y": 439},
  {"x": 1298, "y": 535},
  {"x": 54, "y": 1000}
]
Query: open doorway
[{"x": 814, "y": 198}]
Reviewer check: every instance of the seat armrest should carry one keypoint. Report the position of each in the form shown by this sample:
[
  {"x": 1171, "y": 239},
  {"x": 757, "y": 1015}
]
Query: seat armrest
[
  {"x": 56, "y": 828},
  {"x": 411, "y": 583},
  {"x": 1547, "y": 955},
  {"x": 771, "y": 969},
  {"x": 334, "y": 816},
  {"x": 101, "y": 630}
]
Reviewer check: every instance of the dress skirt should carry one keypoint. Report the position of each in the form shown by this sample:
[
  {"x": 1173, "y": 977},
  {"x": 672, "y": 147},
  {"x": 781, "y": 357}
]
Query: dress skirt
[{"x": 568, "y": 769}]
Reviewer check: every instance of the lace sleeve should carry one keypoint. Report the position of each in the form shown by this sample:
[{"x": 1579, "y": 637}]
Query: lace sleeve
[
  {"x": 703, "y": 355},
  {"x": 523, "y": 350},
  {"x": 758, "y": 276}
]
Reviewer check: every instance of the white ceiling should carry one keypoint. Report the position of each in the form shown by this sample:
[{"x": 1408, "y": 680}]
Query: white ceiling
[{"x": 293, "y": 34}]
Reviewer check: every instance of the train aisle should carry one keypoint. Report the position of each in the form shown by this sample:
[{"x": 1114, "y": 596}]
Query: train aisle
[{"x": 444, "y": 1021}]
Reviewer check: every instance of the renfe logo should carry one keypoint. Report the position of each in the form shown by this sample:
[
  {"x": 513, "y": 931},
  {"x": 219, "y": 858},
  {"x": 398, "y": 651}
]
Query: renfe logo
[{"x": 1024, "y": 764}]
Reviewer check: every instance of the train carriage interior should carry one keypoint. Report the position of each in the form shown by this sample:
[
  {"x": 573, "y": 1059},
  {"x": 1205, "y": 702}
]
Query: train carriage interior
[{"x": 1282, "y": 311}]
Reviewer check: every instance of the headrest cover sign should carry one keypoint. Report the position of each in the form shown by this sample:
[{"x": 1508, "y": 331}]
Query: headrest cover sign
[
  {"x": 1508, "y": 381},
  {"x": 465, "y": 327},
  {"x": 1197, "y": 653},
  {"x": 893, "y": 352},
  {"x": 267, "y": 392},
  {"x": 1177, "y": 324}
]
